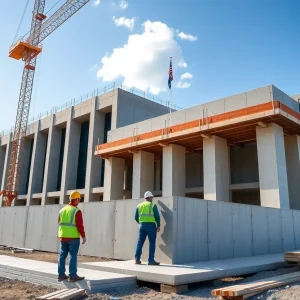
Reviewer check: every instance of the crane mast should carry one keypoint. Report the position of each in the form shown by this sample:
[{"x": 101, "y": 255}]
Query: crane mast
[{"x": 27, "y": 49}]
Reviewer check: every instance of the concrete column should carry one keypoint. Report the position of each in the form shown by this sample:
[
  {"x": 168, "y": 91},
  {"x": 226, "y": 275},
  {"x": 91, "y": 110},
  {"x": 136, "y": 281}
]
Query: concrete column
[
  {"x": 216, "y": 169},
  {"x": 2, "y": 160},
  {"x": 292, "y": 152},
  {"x": 37, "y": 164},
  {"x": 52, "y": 160},
  {"x": 70, "y": 162},
  {"x": 173, "y": 171},
  {"x": 94, "y": 163},
  {"x": 143, "y": 174},
  {"x": 25, "y": 168},
  {"x": 114, "y": 179},
  {"x": 272, "y": 167},
  {"x": 5, "y": 167}
]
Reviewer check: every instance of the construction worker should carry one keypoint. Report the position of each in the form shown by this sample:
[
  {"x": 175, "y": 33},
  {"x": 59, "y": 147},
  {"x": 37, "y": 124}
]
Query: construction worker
[
  {"x": 69, "y": 231},
  {"x": 147, "y": 216}
]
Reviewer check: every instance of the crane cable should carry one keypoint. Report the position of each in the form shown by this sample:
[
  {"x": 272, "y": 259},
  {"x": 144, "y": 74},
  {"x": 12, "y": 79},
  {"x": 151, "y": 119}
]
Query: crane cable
[{"x": 21, "y": 21}]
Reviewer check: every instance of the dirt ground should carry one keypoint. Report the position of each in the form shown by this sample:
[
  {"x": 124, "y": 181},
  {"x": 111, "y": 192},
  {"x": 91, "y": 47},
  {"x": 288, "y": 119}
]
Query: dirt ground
[
  {"x": 49, "y": 257},
  {"x": 17, "y": 290}
]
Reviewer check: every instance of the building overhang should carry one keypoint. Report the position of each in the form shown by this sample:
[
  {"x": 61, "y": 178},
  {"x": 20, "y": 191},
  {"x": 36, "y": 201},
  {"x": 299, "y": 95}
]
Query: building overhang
[{"x": 238, "y": 127}]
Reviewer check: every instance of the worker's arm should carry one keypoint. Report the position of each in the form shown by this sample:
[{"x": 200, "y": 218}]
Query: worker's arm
[
  {"x": 156, "y": 216},
  {"x": 137, "y": 215},
  {"x": 79, "y": 225},
  {"x": 58, "y": 219}
]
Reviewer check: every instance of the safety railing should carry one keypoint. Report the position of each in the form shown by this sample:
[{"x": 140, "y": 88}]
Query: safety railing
[{"x": 94, "y": 93}]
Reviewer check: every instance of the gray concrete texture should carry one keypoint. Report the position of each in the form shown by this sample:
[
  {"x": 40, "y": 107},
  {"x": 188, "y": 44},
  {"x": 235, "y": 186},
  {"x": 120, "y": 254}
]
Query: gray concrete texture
[
  {"x": 235, "y": 102},
  {"x": 192, "y": 229}
]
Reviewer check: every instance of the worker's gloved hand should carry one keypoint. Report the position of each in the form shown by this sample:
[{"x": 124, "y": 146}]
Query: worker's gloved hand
[
  {"x": 83, "y": 240},
  {"x": 158, "y": 229}
]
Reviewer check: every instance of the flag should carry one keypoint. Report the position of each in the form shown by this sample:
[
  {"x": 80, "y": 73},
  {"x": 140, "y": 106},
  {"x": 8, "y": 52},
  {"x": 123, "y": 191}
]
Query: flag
[{"x": 170, "y": 74}]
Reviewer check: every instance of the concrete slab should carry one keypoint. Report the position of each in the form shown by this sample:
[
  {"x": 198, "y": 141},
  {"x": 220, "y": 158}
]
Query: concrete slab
[
  {"x": 193, "y": 272},
  {"x": 39, "y": 272}
]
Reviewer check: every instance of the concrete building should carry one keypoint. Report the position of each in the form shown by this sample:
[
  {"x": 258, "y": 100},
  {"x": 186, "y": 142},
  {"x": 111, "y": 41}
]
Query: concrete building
[
  {"x": 241, "y": 149},
  {"x": 225, "y": 175},
  {"x": 59, "y": 149}
]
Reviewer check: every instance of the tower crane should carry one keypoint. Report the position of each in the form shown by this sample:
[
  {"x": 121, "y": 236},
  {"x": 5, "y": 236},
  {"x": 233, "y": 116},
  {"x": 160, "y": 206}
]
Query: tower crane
[{"x": 27, "y": 49}]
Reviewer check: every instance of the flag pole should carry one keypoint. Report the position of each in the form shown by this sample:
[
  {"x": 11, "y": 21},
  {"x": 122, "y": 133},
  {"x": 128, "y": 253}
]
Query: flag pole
[{"x": 170, "y": 94}]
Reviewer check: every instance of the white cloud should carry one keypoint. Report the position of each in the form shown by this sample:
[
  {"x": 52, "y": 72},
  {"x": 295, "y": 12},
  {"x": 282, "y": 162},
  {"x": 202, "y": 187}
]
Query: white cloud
[
  {"x": 182, "y": 64},
  {"x": 186, "y": 75},
  {"x": 143, "y": 62},
  {"x": 183, "y": 85},
  {"x": 187, "y": 37},
  {"x": 123, "y": 4},
  {"x": 128, "y": 23},
  {"x": 96, "y": 2}
]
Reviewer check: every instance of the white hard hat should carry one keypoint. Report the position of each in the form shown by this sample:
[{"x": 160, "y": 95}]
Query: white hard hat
[{"x": 148, "y": 194}]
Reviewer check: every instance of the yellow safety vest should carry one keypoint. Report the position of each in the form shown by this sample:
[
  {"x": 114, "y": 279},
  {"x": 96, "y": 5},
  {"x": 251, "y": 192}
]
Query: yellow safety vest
[
  {"x": 146, "y": 212},
  {"x": 67, "y": 226}
]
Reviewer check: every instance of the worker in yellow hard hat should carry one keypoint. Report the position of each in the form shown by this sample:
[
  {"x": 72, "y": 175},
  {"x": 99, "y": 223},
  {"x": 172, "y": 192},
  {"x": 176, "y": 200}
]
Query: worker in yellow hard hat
[{"x": 69, "y": 231}]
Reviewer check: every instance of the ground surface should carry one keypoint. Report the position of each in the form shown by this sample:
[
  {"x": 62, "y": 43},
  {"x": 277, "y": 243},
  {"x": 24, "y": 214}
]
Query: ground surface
[
  {"x": 49, "y": 257},
  {"x": 11, "y": 289}
]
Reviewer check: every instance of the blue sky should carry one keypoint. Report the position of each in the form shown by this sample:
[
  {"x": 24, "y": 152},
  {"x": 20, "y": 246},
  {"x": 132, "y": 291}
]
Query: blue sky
[{"x": 227, "y": 46}]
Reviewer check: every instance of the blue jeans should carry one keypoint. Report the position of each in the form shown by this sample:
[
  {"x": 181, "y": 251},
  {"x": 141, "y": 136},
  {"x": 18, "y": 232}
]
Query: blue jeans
[
  {"x": 145, "y": 230},
  {"x": 71, "y": 247}
]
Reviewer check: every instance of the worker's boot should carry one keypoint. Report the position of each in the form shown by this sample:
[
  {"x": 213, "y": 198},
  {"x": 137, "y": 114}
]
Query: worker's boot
[
  {"x": 153, "y": 263},
  {"x": 76, "y": 278},
  {"x": 61, "y": 278},
  {"x": 138, "y": 262}
]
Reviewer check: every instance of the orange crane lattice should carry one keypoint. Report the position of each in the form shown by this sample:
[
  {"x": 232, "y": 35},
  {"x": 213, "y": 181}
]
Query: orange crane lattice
[{"x": 27, "y": 49}]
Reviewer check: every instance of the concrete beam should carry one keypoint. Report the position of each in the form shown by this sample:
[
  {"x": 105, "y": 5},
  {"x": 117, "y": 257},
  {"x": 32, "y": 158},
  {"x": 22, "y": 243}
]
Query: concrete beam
[
  {"x": 143, "y": 174},
  {"x": 114, "y": 179},
  {"x": 94, "y": 163},
  {"x": 216, "y": 169},
  {"x": 272, "y": 167},
  {"x": 174, "y": 171}
]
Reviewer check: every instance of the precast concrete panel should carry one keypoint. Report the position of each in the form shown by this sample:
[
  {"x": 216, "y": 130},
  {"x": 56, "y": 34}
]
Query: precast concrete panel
[
  {"x": 20, "y": 222},
  {"x": 195, "y": 113},
  {"x": 275, "y": 230},
  {"x": 61, "y": 117},
  {"x": 220, "y": 239},
  {"x": 49, "y": 237},
  {"x": 296, "y": 221},
  {"x": 191, "y": 232},
  {"x": 259, "y": 96},
  {"x": 34, "y": 229},
  {"x": 46, "y": 122},
  {"x": 288, "y": 234},
  {"x": 115, "y": 135},
  {"x": 235, "y": 102},
  {"x": 159, "y": 122},
  {"x": 7, "y": 230},
  {"x": 241, "y": 230},
  {"x": 2, "y": 224},
  {"x": 214, "y": 108},
  {"x": 99, "y": 220},
  {"x": 285, "y": 99},
  {"x": 126, "y": 229},
  {"x": 144, "y": 127},
  {"x": 166, "y": 237},
  {"x": 177, "y": 118},
  {"x": 260, "y": 230}
]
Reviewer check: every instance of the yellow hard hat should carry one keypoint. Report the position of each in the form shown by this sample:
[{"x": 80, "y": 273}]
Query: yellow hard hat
[{"x": 75, "y": 195}]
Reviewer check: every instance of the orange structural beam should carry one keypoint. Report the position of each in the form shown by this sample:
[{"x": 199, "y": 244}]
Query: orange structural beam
[
  {"x": 22, "y": 48},
  {"x": 196, "y": 123}
]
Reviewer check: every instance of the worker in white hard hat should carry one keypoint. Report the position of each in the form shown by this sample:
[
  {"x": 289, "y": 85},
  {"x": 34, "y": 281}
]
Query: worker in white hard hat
[{"x": 147, "y": 216}]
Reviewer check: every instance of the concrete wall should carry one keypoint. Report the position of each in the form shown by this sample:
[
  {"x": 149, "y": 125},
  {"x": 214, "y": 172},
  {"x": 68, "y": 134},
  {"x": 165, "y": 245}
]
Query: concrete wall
[{"x": 192, "y": 229}]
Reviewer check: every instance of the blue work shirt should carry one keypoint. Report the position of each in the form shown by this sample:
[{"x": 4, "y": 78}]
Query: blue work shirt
[{"x": 156, "y": 215}]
